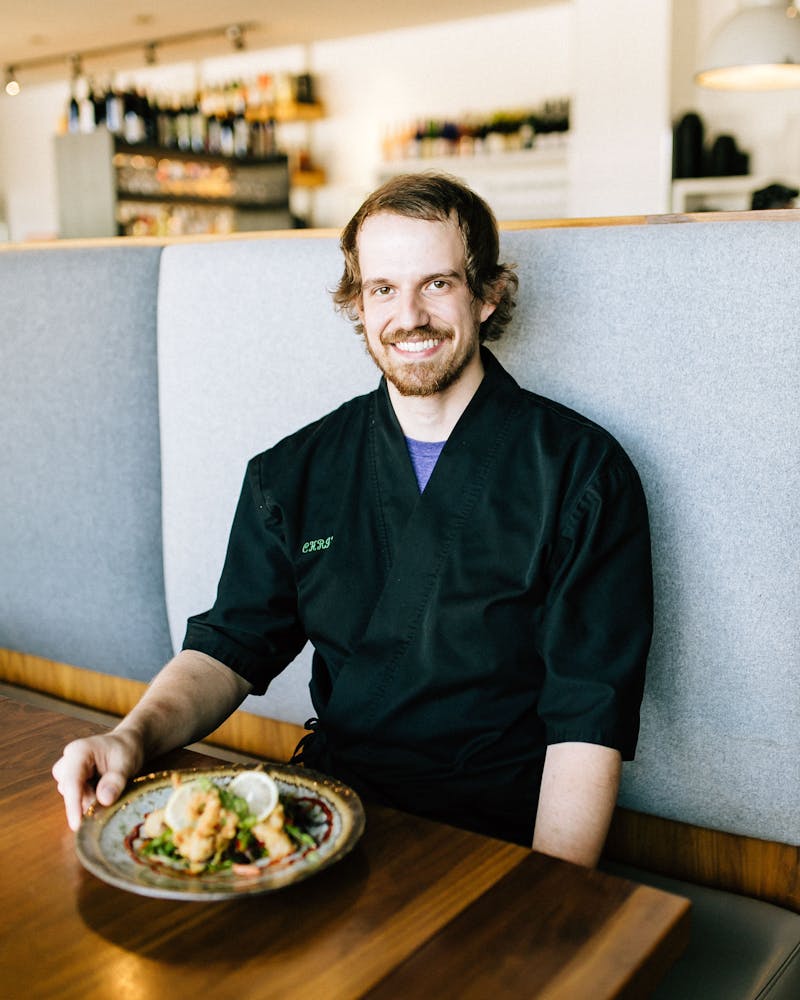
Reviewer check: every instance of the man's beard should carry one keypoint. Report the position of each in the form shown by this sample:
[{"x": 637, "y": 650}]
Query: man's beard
[{"x": 424, "y": 378}]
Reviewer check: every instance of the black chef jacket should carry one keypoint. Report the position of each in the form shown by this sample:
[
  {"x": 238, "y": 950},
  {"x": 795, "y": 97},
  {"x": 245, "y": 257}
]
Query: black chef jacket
[{"x": 457, "y": 632}]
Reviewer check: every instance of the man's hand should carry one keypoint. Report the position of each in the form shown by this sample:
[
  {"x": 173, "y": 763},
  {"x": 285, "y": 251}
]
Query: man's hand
[
  {"x": 579, "y": 790},
  {"x": 188, "y": 699},
  {"x": 109, "y": 760}
]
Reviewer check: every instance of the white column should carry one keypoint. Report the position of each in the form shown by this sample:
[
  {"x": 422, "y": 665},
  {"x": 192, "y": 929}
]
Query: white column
[{"x": 621, "y": 158}]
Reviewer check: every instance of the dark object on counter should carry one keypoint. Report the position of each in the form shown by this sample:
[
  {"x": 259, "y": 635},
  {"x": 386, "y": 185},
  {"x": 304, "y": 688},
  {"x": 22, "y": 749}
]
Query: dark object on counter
[
  {"x": 774, "y": 196},
  {"x": 687, "y": 148},
  {"x": 726, "y": 159},
  {"x": 304, "y": 89}
]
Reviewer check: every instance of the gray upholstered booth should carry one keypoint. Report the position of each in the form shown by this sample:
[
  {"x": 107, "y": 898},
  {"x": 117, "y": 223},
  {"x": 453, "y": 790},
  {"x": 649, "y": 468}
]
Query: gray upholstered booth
[
  {"x": 694, "y": 373},
  {"x": 81, "y": 577},
  {"x": 135, "y": 381}
]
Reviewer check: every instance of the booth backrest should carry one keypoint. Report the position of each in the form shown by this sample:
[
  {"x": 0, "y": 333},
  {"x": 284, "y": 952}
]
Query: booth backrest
[
  {"x": 81, "y": 578},
  {"x": 681, "y": 339},
  {"x": 250, "y": 349}
]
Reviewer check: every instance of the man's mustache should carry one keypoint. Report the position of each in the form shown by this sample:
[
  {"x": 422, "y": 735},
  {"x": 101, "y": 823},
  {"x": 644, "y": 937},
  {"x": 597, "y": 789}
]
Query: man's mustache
[{"x": 427, "y": 332}]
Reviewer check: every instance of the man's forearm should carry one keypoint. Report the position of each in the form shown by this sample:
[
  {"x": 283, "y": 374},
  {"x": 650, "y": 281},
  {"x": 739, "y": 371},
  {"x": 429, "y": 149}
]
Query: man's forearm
[
  {"x": 188, "y": 699},
  {"x": 578, "y": 793}
]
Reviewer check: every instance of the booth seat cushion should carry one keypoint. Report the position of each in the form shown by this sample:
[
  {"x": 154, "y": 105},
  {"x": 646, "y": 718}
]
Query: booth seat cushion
[{"x": 739, "y": 949}]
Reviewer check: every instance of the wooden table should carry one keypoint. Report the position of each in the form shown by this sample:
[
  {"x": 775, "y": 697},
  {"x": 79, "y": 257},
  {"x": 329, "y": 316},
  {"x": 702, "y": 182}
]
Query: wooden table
[{"x": 418, "y": 909}]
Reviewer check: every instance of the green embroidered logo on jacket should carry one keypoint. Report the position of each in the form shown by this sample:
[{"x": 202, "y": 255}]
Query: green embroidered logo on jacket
[{"x": 317, "y": 544}]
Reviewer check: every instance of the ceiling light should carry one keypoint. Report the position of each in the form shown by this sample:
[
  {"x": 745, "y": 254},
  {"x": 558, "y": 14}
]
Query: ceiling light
[
  {"x": 757, "y": 48},
  {"x": 12, "y": 83}
]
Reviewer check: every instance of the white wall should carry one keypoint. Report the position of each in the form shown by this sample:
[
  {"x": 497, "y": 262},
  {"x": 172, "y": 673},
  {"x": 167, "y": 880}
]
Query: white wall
[
  {"x": 621, "y": 158},
  {"x": 27, "y": 167}
]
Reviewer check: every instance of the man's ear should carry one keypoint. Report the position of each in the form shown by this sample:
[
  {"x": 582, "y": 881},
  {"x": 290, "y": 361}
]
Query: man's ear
[
  {"x": 493, "y": 294},
  {"x": 487, "y": 308}
]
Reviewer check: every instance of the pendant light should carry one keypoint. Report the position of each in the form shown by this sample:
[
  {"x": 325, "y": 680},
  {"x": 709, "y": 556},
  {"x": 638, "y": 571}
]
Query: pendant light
[{"x": 757, "y": 48}]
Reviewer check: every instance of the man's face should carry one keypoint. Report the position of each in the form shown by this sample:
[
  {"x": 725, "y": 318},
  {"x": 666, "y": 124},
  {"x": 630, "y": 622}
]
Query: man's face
[{"x": 420, "y": 320}]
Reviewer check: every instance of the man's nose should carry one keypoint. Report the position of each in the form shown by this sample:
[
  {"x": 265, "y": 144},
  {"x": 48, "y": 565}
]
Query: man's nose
[{"x": 411, "y": 311}]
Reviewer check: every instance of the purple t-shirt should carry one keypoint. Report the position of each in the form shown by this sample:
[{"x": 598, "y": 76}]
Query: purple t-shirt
[{"x": 423, "y": 457}]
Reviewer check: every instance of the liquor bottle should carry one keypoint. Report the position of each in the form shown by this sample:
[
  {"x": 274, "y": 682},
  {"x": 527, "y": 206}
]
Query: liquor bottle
[
  {"x": 114, "y": 111},
  {"x": 263, "y": 144},
  {"x": 213, "y": 111},
  {"x": 241, "y": 127},
  {"x": 148, "y": 114},
  {"x": 226, "y": 135},
  {"x": 165, "y": 124},
  {"x": 132, "y": 124},
  {"x": 183, "y": 127},
  {"x": 241, "y": 135},
  {"x": 86, "y": 109},
  {"x": 99, "y": 99},
  {"x": 214, "y": 132},
  {"x": 74, "y": 112},
  {"x": 197, "y": 127},
  {"x": 263, "y": 98}
]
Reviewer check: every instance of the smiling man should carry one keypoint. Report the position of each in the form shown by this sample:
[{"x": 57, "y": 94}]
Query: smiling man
[
  {"x": 418, "y": 313},
  {"x": 469, "y": 560}
]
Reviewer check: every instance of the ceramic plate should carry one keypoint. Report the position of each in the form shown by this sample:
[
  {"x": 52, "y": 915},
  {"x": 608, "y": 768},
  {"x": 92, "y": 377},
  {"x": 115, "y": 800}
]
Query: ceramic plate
[{"x": 105, "y": 843}]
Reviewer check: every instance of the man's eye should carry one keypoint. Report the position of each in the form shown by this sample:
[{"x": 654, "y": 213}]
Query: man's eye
[
  {"x": 438, "y": 284},
  {"x": 381, "y": 291}
]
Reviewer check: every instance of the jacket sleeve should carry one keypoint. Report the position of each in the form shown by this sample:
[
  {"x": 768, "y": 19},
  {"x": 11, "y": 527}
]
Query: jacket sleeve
[
  {"x": 599, "y": 615},
  {"x": 253, "y": 626}
]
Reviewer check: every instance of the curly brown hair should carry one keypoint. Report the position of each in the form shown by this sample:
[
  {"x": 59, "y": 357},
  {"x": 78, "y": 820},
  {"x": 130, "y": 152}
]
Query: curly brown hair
[{"x": 436, "y": 197}]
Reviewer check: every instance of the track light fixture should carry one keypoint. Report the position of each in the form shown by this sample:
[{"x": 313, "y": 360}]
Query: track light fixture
[
  {"x": 235, "y": 33},
  {"x": 12, "y": 83},
  {"x": 232, "y": 33}
]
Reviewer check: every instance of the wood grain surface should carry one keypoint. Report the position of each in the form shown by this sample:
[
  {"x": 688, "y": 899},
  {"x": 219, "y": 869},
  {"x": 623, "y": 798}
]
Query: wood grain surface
[
  {"x": 334, "y": 935},
  {"x": 519, "y": 940},
  {"x": 408, "y": 884}
]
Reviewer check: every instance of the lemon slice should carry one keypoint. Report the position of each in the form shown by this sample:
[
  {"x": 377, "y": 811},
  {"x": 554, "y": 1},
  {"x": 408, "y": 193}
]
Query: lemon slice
[
  {"x": 176, "y": 811},
  {"x": 258, "y": 790}
]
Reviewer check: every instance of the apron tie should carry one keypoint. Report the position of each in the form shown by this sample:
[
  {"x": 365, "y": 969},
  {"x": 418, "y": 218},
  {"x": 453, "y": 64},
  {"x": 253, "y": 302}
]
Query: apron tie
[{"x": 315, "y": 737}]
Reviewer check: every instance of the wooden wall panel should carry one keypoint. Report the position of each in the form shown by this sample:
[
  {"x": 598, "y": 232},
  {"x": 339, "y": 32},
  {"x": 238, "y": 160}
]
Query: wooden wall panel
[
  {"x": 759, "y": 868},
  {"x": 244, "y": 732}
]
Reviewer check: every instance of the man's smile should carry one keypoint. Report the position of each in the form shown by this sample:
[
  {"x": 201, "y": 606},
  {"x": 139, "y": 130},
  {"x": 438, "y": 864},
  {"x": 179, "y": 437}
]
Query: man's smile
[{"x": 416, "y": 346}]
